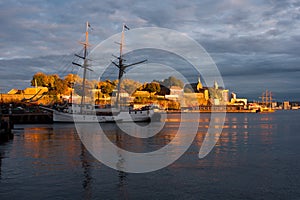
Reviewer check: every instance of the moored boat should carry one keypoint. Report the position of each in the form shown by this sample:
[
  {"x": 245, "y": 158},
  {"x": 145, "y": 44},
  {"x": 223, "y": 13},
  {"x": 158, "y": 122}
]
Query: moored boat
[{"x": 85, "y": 112}]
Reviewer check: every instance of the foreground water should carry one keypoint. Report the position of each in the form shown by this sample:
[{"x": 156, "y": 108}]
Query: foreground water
[{"x": 256, "y": 157}]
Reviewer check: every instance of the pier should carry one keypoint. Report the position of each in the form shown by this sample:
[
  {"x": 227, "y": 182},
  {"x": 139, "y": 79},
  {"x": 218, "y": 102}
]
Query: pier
[
  {"x": 32, "y": 118},
  {"x": 8, "y": 121},
  {"x": 6, "y": 126}
]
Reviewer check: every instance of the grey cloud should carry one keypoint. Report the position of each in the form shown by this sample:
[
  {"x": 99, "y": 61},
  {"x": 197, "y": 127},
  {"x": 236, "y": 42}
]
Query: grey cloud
[
  {"x": 249, "y": 75},
  {"x": 17, "y": 73},
  {"x": 240, "y": 35}
]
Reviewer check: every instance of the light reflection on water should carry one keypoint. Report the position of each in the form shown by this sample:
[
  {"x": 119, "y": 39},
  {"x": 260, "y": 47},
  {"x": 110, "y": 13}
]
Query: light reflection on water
[{"x": 255, "y": 157}]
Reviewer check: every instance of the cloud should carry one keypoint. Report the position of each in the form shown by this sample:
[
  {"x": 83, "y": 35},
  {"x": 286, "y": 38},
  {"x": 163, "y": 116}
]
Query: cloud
[
  {"x": 250, "y": 74},
  {"x": 18, "y": 72},
  {"x": 239, "y": 34}
]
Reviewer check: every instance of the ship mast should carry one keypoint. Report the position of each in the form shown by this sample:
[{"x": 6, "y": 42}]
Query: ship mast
[
  {"x": 267, "y": 99},
  {"x": 85, "y": 63},
  {"x": 121, "y": 65}
]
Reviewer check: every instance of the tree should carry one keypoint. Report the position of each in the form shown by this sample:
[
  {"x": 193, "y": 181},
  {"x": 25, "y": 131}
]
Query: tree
[
  {"x": 52, "y": 80},
  {"x": 71, "y": 79},
  {"x": 60, "y": 87},
  {"x": 172, "y": 81},
  {"x": 40, "y": 79},
  {"x": 152, "y": 87},
  {"x": 55, "y": 84},
  {"x": 107, "y": 87}
]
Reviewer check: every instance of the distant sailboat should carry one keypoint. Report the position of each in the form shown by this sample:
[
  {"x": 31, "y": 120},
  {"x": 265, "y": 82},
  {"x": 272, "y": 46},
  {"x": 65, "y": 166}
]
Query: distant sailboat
[{"x": 266, "y": 106}]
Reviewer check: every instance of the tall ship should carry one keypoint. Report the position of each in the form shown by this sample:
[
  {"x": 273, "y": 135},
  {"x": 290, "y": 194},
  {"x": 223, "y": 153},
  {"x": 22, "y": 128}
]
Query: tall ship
[
  {"x": 89, "y": 112},
  {"x": 266, "y": 104}
]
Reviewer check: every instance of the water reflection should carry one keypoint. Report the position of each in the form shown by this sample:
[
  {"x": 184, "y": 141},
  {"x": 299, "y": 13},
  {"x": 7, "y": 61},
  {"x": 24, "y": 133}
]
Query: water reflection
[
  {"x": 1, "y": 157},
  {"x": 123, "y": 182},
  {"x": 240, "y": 132},
  {"x": 87, "y": 181},
  {"x": 41, "y": 143},
  {"x": 52, "y": 159}
]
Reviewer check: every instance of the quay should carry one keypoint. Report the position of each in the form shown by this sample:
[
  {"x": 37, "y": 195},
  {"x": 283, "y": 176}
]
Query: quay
[
  {"x": 211, "y": 111},
  {"x": 5, "y": 128},
  {"x": 31, "y": 118},
  {"x": 25, "y": 114},
  {"x": 215, "y": 109}
]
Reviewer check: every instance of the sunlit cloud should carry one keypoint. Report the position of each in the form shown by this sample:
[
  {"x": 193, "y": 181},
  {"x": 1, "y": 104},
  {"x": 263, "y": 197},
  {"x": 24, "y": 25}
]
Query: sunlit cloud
[{"x": 245, "y": 37}]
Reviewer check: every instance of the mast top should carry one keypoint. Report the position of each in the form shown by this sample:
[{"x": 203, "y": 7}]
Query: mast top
[
  {"x": 122, "y": 67},
  {"x": 86, "y": 42}
]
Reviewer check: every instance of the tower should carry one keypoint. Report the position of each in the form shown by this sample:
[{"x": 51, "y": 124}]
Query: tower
[
  {"x": 216, "y": 86},
  {"x": 199, "y": 85}
]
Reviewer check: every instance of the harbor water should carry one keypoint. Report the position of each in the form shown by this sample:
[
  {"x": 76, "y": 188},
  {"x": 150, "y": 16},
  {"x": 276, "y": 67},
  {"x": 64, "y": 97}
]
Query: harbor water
[{"x": 256, "y": 157}]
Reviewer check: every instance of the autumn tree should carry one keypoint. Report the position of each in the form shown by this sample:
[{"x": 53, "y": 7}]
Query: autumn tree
[
  {"x": 152, "y": 87},
  {"x": 107, "y": 87},
  {"x": 55, "y": 84},
  {"x": 60, "y": 87},
  {"x": 71, "y": 79},
  {"x": 39, "y": 79}
]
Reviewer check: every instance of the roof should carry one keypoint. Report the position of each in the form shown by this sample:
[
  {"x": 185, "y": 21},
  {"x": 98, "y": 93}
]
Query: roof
[{"x": 13, "y": 91}]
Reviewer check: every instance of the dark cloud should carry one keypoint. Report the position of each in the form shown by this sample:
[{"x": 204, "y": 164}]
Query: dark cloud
[
  {"x": 255, "y": 44},
  {"x": 250, "y": 74},
  {"x": 17, "y": 73}
]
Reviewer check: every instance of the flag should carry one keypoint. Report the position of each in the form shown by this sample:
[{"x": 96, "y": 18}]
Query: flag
[
  {"x": 126, "y": 27},
  {"x": 90, "y": 27}
]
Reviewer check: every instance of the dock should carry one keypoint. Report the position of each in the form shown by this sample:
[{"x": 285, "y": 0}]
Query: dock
[
  {"x": 6, "y": 126},
  {"x": 32, "y": 118}
]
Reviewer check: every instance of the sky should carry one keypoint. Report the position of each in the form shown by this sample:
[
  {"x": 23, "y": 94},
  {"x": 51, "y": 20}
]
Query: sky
[{"x": 254, "y": 43}]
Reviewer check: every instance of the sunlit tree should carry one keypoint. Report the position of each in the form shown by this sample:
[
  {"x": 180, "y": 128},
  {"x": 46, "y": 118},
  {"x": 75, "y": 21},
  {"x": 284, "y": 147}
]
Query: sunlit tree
[{"x": 39, "y": 79}]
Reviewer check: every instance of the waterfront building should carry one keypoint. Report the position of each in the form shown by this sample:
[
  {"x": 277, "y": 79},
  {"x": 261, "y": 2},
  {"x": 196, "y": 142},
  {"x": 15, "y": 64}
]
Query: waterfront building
[
  {"x": 225, "y": 96},
  {"x": 199, "y": 85},
  {"x": 206, "y": 95},
  {"x": 240, "y": 102},
  {"x": 274, "y": 105},
  {"x": 286, "y": 105},
  {"x": 233, "y": 95},
  {"x": 176, "y": 90},
  {"x": 216, "y": 86},
  {"x": 34, "y": 94},
  {"x": 214, "y": 95}
]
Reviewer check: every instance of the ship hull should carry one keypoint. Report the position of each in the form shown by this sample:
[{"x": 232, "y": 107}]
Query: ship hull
[
  {"x": 132, "y": 116},
  {"x": 71, "y": 118},
  {"x": 135, "y": 116}
]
